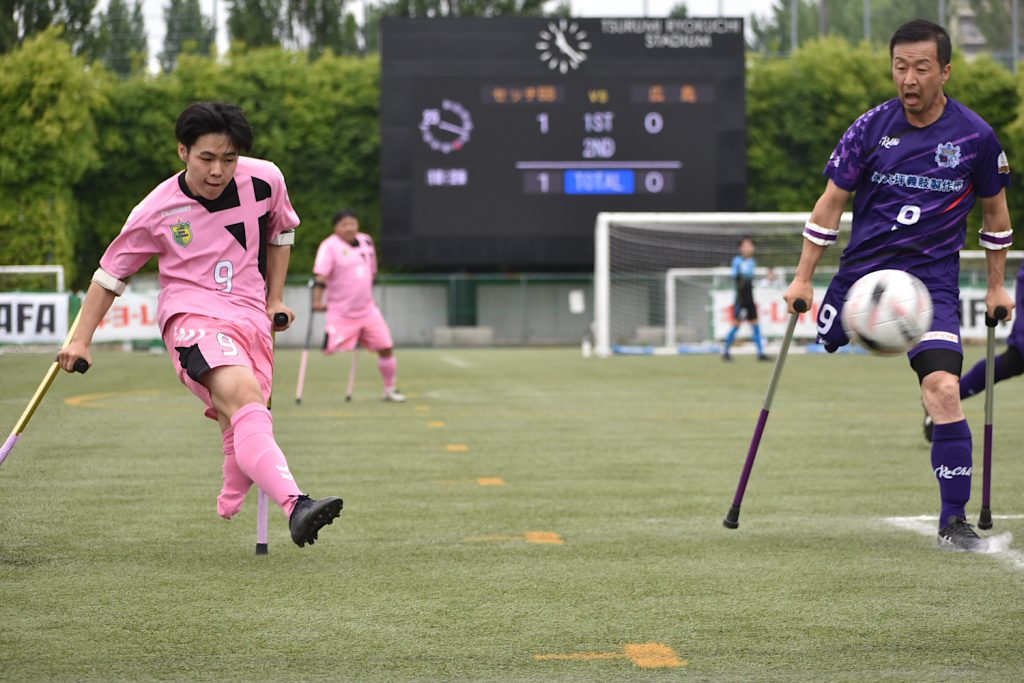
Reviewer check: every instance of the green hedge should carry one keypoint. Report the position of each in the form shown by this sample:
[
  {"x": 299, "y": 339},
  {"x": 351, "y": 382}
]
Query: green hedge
[{"x": 80, "y": 147}]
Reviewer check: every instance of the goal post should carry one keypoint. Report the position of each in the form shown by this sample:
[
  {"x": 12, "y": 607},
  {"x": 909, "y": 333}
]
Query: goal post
[{"x": 656, "y": 274}]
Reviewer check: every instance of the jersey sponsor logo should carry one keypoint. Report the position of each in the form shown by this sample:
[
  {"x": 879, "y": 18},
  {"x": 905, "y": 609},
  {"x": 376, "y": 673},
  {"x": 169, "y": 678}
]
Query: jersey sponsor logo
[
  {"x": 938, "y": 335},
  {"x": 182, "y": 231},
  {"x": 947, "y": 155},
  {"x": 175, "y": 210},
  {"x": 918, "y": 182},
  {"x": 1003, "y": 164},
  {"x": 943, "y": 472},
  {"x": 888, "y": 142}
]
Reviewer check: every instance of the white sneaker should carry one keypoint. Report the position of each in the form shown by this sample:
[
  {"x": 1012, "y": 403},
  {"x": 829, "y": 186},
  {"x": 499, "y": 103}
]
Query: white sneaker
[{"x": 394, "y": 396}]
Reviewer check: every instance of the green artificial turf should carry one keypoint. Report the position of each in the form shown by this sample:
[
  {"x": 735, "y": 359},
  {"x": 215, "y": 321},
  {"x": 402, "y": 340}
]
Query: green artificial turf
[{"x": 115, "y": 566}]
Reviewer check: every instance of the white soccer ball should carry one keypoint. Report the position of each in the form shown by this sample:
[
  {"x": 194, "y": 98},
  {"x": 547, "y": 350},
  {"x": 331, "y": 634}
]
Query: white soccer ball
[{"x": 887, "y": 312}]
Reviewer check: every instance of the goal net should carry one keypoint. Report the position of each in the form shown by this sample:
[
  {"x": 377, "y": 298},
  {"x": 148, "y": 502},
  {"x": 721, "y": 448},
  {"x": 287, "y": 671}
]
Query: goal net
[{"x": 663, "y": 281}]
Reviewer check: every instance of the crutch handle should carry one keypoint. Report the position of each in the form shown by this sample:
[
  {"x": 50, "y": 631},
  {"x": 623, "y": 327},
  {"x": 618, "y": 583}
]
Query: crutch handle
[
  {"x": 82, "y": 366},
  {"x": 280, "y": 319},
  {"x": 800, "y": 306},
  {"x": 1001, "y": 314}
]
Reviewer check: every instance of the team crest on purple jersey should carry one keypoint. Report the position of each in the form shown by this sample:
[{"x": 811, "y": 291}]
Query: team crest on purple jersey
[
  {"x": 182, "y": 232},
  {"x": 947, "y": 155}
]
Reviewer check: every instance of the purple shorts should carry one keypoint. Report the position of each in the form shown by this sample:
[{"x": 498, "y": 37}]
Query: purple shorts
[
  {"x": 1016, "y": 337},
  {"x": 943, "y": 334}
]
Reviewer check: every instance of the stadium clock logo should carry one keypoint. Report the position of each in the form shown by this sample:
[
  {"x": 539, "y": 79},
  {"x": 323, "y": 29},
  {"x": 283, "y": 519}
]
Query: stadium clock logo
[
  {"x": 563, "y": 45},
  {"x": 446, "y": 128}
]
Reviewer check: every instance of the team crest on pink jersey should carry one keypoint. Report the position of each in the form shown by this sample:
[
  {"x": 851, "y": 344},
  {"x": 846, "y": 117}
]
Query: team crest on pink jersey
[{"x": 182, "y": 232}]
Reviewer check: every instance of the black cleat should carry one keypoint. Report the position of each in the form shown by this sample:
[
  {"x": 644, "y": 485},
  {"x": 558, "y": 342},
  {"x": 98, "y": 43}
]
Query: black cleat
[
  {"x": 726, "y": 357},
  {"x": 959, "y": 535},
  {"x": 764, "y": 357},
  {"x": 309, "y": 516}
]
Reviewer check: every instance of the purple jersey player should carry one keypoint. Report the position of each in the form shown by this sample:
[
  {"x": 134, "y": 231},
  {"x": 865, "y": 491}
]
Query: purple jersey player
[
  {"x": 916, "y": 165},
  {"x": 222, "y": 232}
]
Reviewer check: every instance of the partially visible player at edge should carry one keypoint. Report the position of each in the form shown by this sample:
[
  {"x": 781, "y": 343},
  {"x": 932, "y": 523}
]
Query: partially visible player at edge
[
  {"x": 346, "y": 263},
  {"x": 1008, "y": 364},
  {"x": 745, "y": 308},
  {"x": 222, "y": 232},
  {"x": 917, "y": 164}
]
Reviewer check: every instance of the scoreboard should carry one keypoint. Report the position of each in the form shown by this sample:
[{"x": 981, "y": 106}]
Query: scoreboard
[{"x": 501, "y": 139}]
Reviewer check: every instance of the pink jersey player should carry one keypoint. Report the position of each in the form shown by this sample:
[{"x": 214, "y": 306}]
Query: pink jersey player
[
  {"x": 222, "y": 232},
  {"x": 345, "y": 266}
]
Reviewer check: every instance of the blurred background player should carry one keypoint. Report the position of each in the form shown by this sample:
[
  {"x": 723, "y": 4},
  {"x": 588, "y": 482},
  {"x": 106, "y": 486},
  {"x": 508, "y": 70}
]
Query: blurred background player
[
  {"x": 1008, "y": 364},
  {"x": 917, "y": 164},
  {"x": 222, "y": 232},
  {"x": 743, "y": 267},
  {"x": 346, "y": 264}
]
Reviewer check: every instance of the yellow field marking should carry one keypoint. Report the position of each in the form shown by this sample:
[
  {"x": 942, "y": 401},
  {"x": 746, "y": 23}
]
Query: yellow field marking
[
  {"x": 93, "y": 400},
  {"x": 490, "y": 481},
  {"x": 538, "y": 537},
  {"x": 422, "y": 409},
  {"x": 457, "y": 448},
  {"x": 435, "y": 424},
  {"x": 643, "y": 655},
  {"x": 543, "y": 537}
]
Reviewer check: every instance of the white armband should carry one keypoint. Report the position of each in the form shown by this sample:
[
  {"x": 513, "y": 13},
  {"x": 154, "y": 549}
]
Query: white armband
[
  {"x": 284, "y": 239},
  {"x": 996, "y": 240},
  {"x": 823, "y": 237},
  {"x": 108, "y": 281}
]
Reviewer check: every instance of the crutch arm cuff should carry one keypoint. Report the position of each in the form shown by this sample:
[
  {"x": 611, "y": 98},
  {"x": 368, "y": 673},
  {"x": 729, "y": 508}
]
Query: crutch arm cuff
[
  {"x": 823, "y": 237},
  {"x": 995, "y": 240},
  {"x": 108, "y": 281}
]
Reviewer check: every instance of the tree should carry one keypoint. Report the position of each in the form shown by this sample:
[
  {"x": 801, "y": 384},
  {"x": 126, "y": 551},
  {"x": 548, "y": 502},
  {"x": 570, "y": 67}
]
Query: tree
[
  {"x": 463, "y": 8},
  {"x": 23, "y": 19},
  {"x": 679, "y": 11},
  {"x": 258, "y": 23},
  {"x": 47, "y": 143},
  {"x": 121, "y": 38},
  {"x": 844, "y": 19},
  {"x": 188, "y": 31},
  {"x": 321, "y": 23}
]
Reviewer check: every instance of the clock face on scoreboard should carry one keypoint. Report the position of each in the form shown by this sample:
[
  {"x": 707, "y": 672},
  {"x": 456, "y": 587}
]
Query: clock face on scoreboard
[{"x": 502, "y": 139}]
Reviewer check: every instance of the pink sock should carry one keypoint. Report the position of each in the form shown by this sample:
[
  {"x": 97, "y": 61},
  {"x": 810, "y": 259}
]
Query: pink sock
[
  {"x": 259, "y": 456},
  {"x": 236, "y": 483},
  {"x": 388, "y": 369}
]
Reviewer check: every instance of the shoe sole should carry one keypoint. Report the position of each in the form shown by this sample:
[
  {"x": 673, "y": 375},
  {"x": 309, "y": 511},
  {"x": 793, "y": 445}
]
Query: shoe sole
[
  {"x": 328, "y": 512},
  {"x": 949, "y": 546}
]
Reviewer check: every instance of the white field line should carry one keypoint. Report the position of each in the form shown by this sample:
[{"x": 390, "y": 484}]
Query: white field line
[
  {"x": 999, "y": 545},
  {"x": 457, "y": 362}
]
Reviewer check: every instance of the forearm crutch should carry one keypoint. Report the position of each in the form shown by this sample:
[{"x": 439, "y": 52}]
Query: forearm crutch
[
  {"x": 985, "y": 517},
  {"x": 732, "y": 518}
]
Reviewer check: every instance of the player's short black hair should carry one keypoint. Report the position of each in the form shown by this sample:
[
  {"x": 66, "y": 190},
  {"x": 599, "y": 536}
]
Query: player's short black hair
[
  {"x": 919, "y": 30},
  {"x": 745, "y": 238},
  {"x": 202, "y": 118},
  {"x": 344, "y": 213}
]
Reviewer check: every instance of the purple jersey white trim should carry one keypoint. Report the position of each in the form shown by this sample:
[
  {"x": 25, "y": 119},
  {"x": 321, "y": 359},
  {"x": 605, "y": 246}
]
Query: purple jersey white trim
[
  {"x": 914, "y": 188},
  {"x": 212, "y": 254}
]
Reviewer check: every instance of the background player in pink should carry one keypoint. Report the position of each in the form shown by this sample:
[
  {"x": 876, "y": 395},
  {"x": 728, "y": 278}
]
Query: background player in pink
[
  {"x": 222, "y": 232},
  {"x": 345, "y": 266}
]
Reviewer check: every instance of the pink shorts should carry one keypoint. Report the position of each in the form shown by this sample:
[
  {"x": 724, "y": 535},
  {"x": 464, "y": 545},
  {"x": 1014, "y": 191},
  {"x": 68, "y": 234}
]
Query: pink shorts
[
  {"x": 371, "y": 332},
  {"x": 198, "y": 344}
]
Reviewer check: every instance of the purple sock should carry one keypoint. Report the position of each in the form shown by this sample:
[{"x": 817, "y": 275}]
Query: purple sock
[{"x": 951, "y": 462}]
